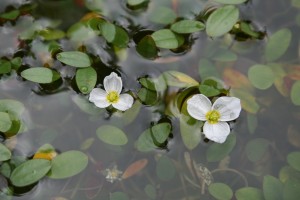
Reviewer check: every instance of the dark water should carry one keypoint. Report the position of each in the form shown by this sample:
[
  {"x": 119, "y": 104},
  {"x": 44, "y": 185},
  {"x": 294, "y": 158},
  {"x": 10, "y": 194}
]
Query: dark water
[{"x": 52, "y": 115}]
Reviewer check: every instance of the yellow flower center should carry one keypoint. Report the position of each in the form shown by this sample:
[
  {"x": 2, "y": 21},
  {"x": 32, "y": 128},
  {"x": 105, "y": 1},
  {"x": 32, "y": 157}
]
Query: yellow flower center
[
  {"x": 112, "y": 97},
  {"x": 213, "y": 116}
]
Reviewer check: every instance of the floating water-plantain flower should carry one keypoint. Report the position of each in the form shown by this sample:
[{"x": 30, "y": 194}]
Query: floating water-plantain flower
[
  {"x": 215, "y": 116},
  {"x": 112, "y": 94}
]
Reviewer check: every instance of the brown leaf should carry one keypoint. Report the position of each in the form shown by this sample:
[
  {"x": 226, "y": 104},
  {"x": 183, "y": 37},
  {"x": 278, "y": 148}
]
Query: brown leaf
[
  {"x": 134, "y": 168},
  {"x": 236, "y": 79}
]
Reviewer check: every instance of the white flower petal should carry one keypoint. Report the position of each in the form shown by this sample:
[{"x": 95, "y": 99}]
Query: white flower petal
[
  {"x": 216, "y": 132},
  {"x": 113, "y": 83},
  {"x": 229, "y": 108},
  {"x": 125, "y": 102},
  {"x": 198, "y": 106},
  {"x": 98, "y": 97}
]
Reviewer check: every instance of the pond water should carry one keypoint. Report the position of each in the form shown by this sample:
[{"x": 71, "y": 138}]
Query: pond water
[{"x": 155, "y": 149}]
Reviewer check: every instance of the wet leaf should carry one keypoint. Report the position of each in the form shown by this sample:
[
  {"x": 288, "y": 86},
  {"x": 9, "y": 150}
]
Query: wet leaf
[
  {"x": 51, "y": 34},
  {"x": 87, "y": 144},
  {"x": 256, "y": 148},
  {"x": 74, "y": 59},
  {"x": 295, "y": 93},
  {"x": 121, "y": 38},
  {"x": 86, "y": 79},
  {"x": 112, "y": 135},
  {"x": 261, "y": 76},
  {"x": 148, "y": 97},
  {"x": 86, "y": 106},
  {"x": 190, "y": 130},
  {"x": 221, "y": 21},
  {"x": 5, "y": 153},
  {"x": 40, "y": 75},
  {"x": 161, "y": 132},
  {"x": 207, "y": 69},
  {"x": 145, "y": 142},
  {"x": 46, "y": 151},
  {"x": 134, "y": 168},
  {"x": 179, "y": 79},
  {"x": 108, "y": 30},
  {"x": 5, "y": 67},
  {"x": 224, "y": 55},
  {"x": 249, "y": 193},
  {"x": 277, "y": 44},
  {"x": 162, "y": 15},
  {"x": 248, "y": 100},
  {"x": 291, "y": 189},
  {"x": 252, "y": 122},
  {"x": 167, "y": 39},
  {"x": 279, "y": 81},
  {"x": 287, "y": 173},
  {"x": 135, "y": 2},
  {"x": 231, "y": 1},
  {"x": 5, "y": 122},
  {"x": 150, "y": 191},
  {"x": 217, "y": 152},
  {"x": 236, "y": 79},
  {"x": 220, "y": 191},
  {"x": 187, "y": 26},
  {"x": 30, "y": 172},
  {"x": 165, "y": 169},
  {"x": 272, "y": 188},
  {"x": 293, "y": 159},
  {"x": 11, "y": 15},
  {"x": 68, "y": 164},
  {"x": 147, "y": 47},
  {"x": 208, "y": 90},
  {"x": 118, "y": 196}
]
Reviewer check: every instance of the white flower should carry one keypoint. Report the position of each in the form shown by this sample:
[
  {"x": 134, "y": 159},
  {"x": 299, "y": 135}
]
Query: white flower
[
  {"x": 112, "y": 94},
  {"x": 215, "y": 116},
  {"x": 112, "y": 175}
]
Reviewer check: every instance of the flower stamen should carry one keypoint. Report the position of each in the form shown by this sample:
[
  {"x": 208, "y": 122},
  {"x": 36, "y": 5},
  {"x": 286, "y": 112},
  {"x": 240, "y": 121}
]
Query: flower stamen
[
  {"x": 213, "y": 116},
  {"x": 112, "y": 97}
]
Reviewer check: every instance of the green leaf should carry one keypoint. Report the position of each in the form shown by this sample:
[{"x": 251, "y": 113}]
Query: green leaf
[
  {"x": 162, "y": 15},
  {"x": 179, "y": 79},
  {"x": 16, "y": 63},
  {"x": 118, "y": 196},
  {"x": 40, "y": 75},
  {"x": 147, "y": 47},
  {"x": 112, "y": 135},
  {"x": 261, "y": 76},
  {"x": 108, "y": 30},
  {"x": 74, "y": 59},
  {"x": 86, "y": 79},
  {"x": 224, "y": 55},
  {"x": 293, "y": 159},
  {"x": 11, "y": 106},
  {"x": 5, "y": 122},
  {"x": 272, "y": 188},
  {"x": 277, "y": 44},
  {"x": 190, "y": 130},
  {"x": 231, "y": 1},
  {"x": 121, "y": 38},
  {"x": 187, "y": 26},
  {"x": 30, "y": 172},
  {"x": 256, "y": 148},
  {"x": 217, "y": 152},
  {"x": 86, "y": 106},
  {"x": 295, "y": 93},
  {"x": 208, "y": 91},
  {"x": 165, "y": 169},
  {"x": 51, "y": 34},
  {"x": 220, "y": 191},
  {"x": 167, "y": 39},
  {"x": 5, "y": 153},
  {"x": 249, "y": 193},
  {"x": 5, "y": 170},
  {"x": 222, "y": 20},
  {"x": 207, "y": 69},
  {"x": 135, "y": 2},
  {"x": 5, "y": 67},
  {"x": 161, "y": 132},
  {"x": 68, "y": 164},
  {"x": 150, "y": 191},
  {"x": 11, "y": 15},
  {"x": 291, "y": 190},
  {"x": 145, "y": 142},
  {"x": 148, "y": 97}
]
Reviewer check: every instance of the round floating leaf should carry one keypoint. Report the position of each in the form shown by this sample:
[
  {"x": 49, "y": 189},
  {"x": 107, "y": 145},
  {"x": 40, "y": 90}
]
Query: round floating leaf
[
  {"x": 5, "y": 66},
  {"x": 165, "y": 169},
  {"x": 224, "y": 55},
  {"x": 30, "y": 172},
  {"x": 179, "y": 79},
  {"x": 272, "y": 188},
  {"x": 217, "y": 152},
  {"x": 68, "y": 164},
  {"x": 112, "y": 135},
  {"x": 277, "y": 44},
  {"x": 220, "y": 191},
  {"x": 231, "y": 1},
  {"x": 167, "y": 39},
  {"x": 5, "y": 122},
  {"x": 150, "y": 191},
  {"x": 121, "y": 38},
  {"x": 108, "y": 30},
  {"x": 145, "y": 142},
  {"x": 294, "y": 160},
  {"x": 40, "y": 75},
  {"x": 261, "y": 76},
  {"x": 249, "y": 193},
  {"x": 295, "y": 93},
  {"x": 147, "y": 47},
  {"x": 187, "y": 26},
  {"x": 208, "y": 90},
  {"x": 291, "y": 189},
  {"x": 118, "y": 196},
  {"x": 74, "y": 59},
  {"x": 161, "y": 132},
  {"x": 5, "y": 153},
  {"x": 190, "y": 131},
  {"x": 86, "y": 79},
  {"x": 148, "y": 97},
  {"x": 162, "y": 15},
  {"x": 222, "y": 20},
  {"x": 135, "y": 2},
  {"x": 256, "y": 148}
]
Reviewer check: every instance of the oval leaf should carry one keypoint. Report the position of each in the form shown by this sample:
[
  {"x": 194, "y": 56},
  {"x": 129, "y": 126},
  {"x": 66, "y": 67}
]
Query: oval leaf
[
  {"x": 40, "y": 75},
  {"x": 261, "y": 76},
  {"x": 161, "y": 132},
  {"x": 165, "y": 169},
  {"x": 86, "y": 79},
  {"x": 30, "y": 172},
  {"x": 134, "y": 168},
  {"x": 231, "y": 1},
  {"x": 294, "y": 160},
  {"x": 118, "y": 196},
  {"x": 112, "y": 135},
  {"x": 190, "y": 132},
  {"x": 222, "y": 20},
  {"x": 135, "y": 2},
  {"x": 68, "y": 164},
  {"x": 74, "y": 59},
  {"x": 167, "y": 39},
  {"x": 295, "y": 93},
  {"x": 220, "y": 191},
  {"x": 5, "y": 122},
  {"x": 272, "y": 188},
  {"x": 147, "y": 47},
  {"x": 249, "y": 193},
  {"x": 256, "y": 148},
  {"x": 5, "y": 153},
  {"x": 187, "y": 26}
]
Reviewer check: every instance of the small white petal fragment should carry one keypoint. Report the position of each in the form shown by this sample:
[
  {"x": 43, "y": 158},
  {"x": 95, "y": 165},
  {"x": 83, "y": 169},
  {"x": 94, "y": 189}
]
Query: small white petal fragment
[
  {"x": 125, "y": 102},
  {"x": 98, "y": 97},
  {"x": 228, "y": 107},
  {"x": 216, "y": 132},
  {"x": 113, "y": 83},
  {"x": 198, "y": 106}
]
